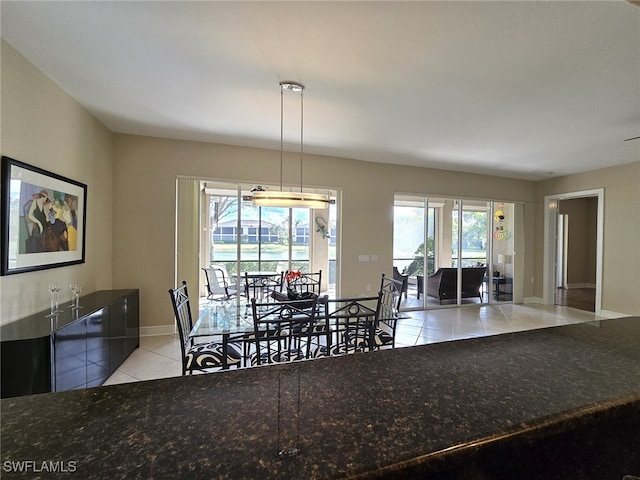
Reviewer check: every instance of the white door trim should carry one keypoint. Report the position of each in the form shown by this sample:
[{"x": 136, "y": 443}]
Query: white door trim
[{"x": 550, "y": 226}]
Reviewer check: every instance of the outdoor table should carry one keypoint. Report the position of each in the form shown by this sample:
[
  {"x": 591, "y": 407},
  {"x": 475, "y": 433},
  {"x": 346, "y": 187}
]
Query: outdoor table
[{"x": 261, "y": 274}]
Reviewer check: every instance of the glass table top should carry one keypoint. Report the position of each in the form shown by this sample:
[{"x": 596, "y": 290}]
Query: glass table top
[{"x": 223, "y": 317}]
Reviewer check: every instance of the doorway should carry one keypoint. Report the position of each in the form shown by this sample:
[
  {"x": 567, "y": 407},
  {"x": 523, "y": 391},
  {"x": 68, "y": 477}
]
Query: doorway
[{"x": 576, "y": 253}]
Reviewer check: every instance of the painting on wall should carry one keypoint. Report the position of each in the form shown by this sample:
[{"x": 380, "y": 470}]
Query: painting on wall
[{"x": 43, "y": 219}]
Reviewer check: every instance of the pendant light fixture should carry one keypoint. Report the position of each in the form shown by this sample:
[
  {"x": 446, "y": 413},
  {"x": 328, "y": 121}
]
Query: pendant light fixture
[{"x": 265, "y": 198}]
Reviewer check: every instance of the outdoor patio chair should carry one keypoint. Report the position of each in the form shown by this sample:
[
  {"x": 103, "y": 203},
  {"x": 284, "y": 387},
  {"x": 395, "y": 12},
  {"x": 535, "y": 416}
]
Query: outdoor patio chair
[{"x": 218, "y": 284}]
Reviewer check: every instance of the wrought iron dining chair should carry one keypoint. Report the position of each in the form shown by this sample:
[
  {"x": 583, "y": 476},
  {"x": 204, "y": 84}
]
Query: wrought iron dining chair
[
  {"x": 201, "y": 356},
  {"x": 401, "y": 278},
  {"x": 352, "y": 322},
  {"x": 289, "y": 331},
  {"x": 218, "y": 285},
  {"x": 260, "y": 287},
  {"x": 387, "y": 312},
  {"x": 304, "y": 282}
]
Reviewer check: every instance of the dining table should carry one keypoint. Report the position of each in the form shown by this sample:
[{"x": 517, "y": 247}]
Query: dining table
[
  {"x": 227, "y": 320},
  {"x": 224, "y": 317},
  {"x": 234, "y": 317},
  {"x": 232, "y": 320}
]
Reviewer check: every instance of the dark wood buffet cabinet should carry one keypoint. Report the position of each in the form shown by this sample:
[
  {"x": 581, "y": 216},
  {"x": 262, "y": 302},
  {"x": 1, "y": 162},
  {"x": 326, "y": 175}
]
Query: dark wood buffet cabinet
[{"x": 76, "y": 349}]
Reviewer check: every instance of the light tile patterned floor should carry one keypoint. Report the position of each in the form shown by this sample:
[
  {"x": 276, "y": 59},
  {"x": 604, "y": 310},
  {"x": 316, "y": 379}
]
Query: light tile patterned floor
[{"x": 159, "y": 356}]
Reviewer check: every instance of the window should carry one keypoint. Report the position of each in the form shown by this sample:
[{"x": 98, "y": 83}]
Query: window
[{"x": 247, "y": 238}]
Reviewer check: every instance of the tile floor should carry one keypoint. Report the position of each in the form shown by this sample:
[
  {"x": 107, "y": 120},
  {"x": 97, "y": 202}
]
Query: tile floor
[{"x": 159, "y": 356}]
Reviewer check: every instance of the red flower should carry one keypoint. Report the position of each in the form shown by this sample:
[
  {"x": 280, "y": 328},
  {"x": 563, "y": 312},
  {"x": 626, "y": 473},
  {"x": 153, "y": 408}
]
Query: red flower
[{"x": 292, "y": 275}]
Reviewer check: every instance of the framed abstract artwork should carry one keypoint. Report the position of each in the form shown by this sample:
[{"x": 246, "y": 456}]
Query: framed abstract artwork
[{"x": 43, "y": 219}]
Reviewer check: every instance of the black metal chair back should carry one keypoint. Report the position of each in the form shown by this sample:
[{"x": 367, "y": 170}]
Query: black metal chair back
[
  {"x": 306, "y": 282},
  {"x": 260, "y": 287},
  {"x": 387, "y": 312},
  {"x": 401, "y": 278},
  {"x": 290, "y": 330},
  {"x": 352, "y": 321},
  {"x": 201, "y": 356},
  {"x": 184, "y": 319}
]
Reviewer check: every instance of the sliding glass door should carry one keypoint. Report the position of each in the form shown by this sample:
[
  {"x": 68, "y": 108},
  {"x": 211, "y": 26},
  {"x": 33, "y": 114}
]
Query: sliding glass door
[
  {"x": 503, "y": 251},
  {"x": 244, "y": 237},
  {"x": 448, "y": 248},
  {"x": 273, "y": 238}
]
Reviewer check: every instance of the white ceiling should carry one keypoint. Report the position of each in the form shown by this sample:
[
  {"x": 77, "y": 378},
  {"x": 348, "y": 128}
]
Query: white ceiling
[{"x": 513, "y": 89}]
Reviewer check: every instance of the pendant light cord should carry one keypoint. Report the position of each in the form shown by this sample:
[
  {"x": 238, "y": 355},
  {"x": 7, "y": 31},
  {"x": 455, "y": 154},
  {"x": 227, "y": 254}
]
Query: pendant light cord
[
  {"x": 290, "y": 198},
  {"x": 301, "y": 133},
  {"x": 281, "y": 130},
  {"x": 293, "y": 86}
]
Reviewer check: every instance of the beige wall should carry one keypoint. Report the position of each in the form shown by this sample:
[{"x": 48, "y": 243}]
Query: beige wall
[
  {"x": 45, "y": 127},
  {"x": 144, "y": 204},
  {"x": 621, "y": 256}
]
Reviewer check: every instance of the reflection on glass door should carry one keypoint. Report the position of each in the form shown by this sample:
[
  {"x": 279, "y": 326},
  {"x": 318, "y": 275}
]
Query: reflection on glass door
[
  {"x": 503, "y": 251},
  {"x": 409, "y": 248},
  {"x": 472, "y": 251},
  {"x": 329, "y": 236}
]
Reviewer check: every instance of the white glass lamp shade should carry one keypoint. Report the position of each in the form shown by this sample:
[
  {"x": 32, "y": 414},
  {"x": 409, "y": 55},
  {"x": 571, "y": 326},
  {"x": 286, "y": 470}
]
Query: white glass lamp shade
[{"x": 290, "y": 199}]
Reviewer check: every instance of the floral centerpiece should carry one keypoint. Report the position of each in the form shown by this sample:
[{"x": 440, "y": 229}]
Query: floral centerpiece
[
  {"x": 292, "y": 275},
  {"x": 292, "y": 293}
]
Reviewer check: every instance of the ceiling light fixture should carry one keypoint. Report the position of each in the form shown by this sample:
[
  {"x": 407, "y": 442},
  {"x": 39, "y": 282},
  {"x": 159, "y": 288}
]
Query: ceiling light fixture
[{"x": 281, "y": 198}]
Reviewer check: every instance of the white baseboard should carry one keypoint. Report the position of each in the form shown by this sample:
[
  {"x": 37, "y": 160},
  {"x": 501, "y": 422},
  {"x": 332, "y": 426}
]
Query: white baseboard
[
  {"x": 533, "y": 300},
  {"x": 610, "y": 314},
  {"x": 581, "y": 285},
  {"x": 159, "y": 330},
  {"x": 602, "y": 313}
]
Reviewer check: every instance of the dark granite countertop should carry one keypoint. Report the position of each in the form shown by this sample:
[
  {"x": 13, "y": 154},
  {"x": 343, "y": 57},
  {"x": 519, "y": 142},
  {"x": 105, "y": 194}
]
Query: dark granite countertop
[
  {"x": 421, "y": 412},
  {"x": 39, "y": 325}
]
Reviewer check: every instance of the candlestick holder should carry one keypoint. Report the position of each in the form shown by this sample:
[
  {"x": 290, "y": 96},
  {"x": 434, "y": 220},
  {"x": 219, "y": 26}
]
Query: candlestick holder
[
  {"x": 76, "y": 289},
  {"x": 53, "y": 289}
]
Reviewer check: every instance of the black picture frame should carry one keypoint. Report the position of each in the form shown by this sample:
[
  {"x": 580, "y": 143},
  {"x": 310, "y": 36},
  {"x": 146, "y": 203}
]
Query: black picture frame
[{"x": 43, "y": 219}]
